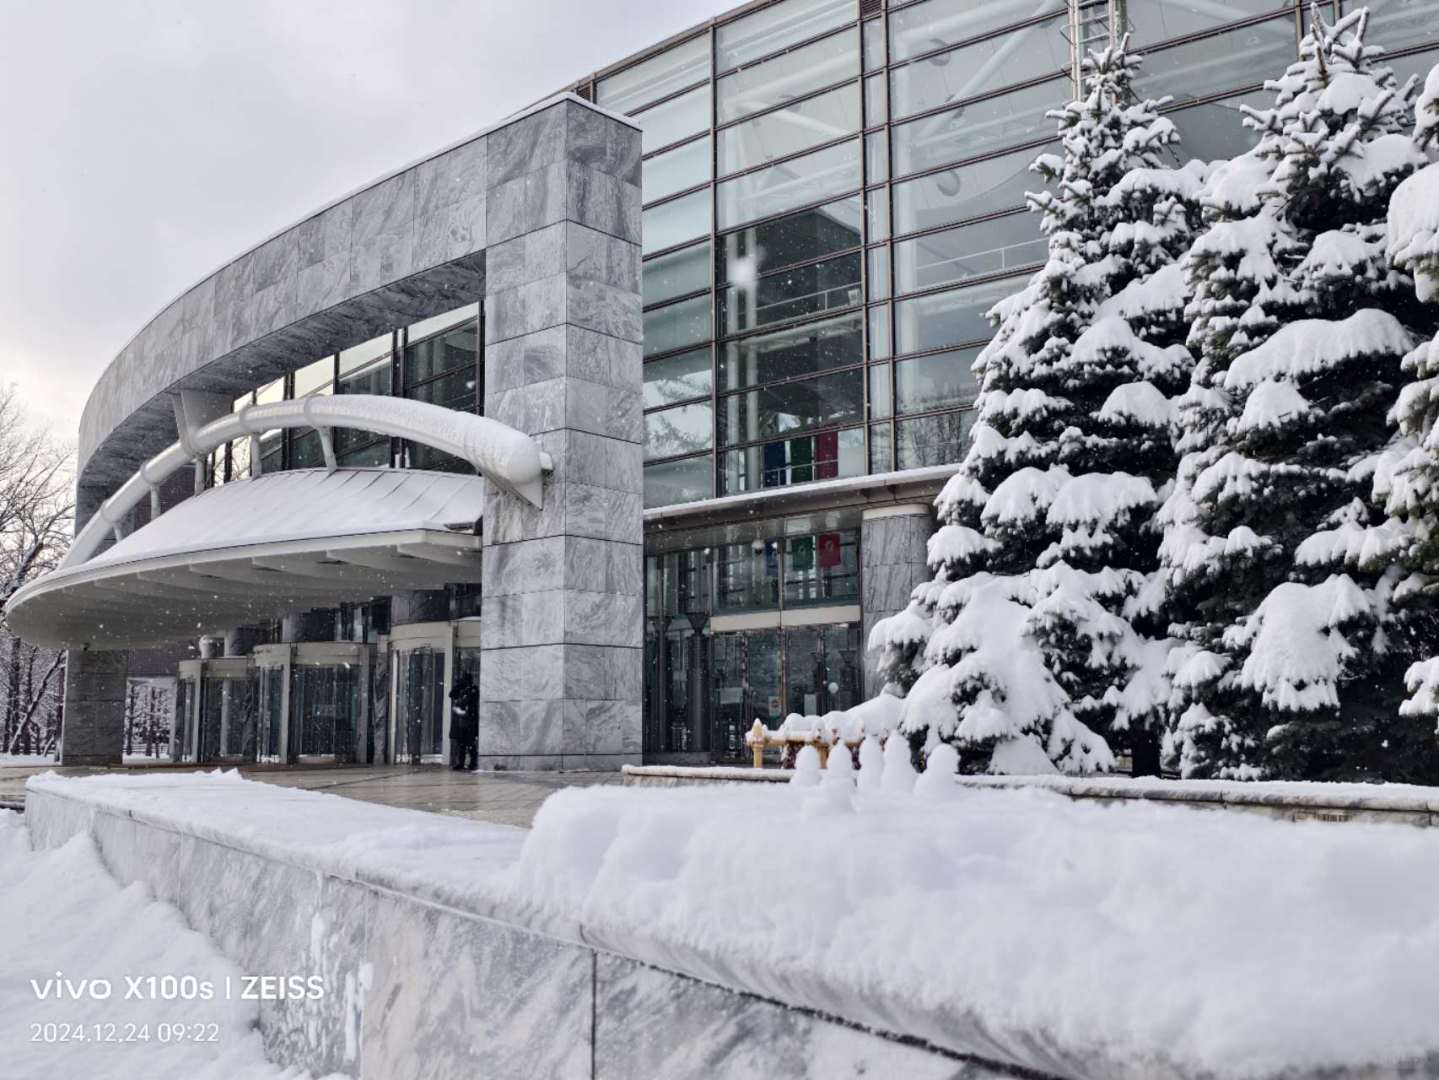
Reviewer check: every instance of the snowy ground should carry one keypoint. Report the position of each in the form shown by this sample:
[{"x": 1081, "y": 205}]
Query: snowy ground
[
  {"x": 62, "y": 914},
  {"x": 1152, "y": 940},
  {"x": 27, "y": 759}
]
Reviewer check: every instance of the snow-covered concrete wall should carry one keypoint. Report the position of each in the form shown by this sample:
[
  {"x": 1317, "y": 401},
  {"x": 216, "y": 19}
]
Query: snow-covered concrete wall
[{"x": 428, "y": 973}]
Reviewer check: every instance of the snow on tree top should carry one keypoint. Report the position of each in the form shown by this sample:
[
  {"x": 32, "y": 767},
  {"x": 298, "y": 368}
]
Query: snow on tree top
[
  {"x": 1232, "y": 188},
  {"x": 1162, "y": 291},
  {"x": 1298, "y": 647},
  {"x": 1314, "y": 345}
]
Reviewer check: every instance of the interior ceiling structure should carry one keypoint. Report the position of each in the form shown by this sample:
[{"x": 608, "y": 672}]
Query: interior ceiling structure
[{"x": 254, "y": 550}]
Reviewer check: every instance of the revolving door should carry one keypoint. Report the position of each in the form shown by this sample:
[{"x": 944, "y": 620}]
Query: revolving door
[
  {"x": 313, "y": 702},
  {"x": 215, "y": 711}
]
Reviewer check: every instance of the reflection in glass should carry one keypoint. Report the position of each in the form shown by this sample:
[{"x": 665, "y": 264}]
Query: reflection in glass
[
  {"x": 876, "y": 213},
  {"x": 747, "y": 575},
  {"x": 950, "y": 318},
  {"x": 681, "y": 430},
  {"x": 876, "y": 156},
  {"x": 799, "y": 460},
  {"x": 771, "y": 29},
  {"x": 789, "y": 130},
  {"x": 810, "y": 234},
  {"x": 314, "y": 378},
  {"x": 798, "y": 350},
  {"x": 676, "y": 221},
  {"x": 445, "y": 352},
  {"x": 873, "y": 44},
  {"x": 1160, "y": 20},
  {"x": 940, "y": 381},
  {"x": 825, "y": 174},
  {"x": 880, "y": 404},
  {"x": 677, "y": 378},
  {"x": 652, "y": 79},
  {"x": 986, "y": 247},
  {"x": 1241, "y": 57},
  {"x": 670, "y": 122},
  {"x": 876, "y": 100},
  {"x": 881, "y": 448},
  {"x": 933, "y": 440},
  {"x": 792, "y": 294},
  {"x": 677, "y": 169},
  {"x": 785, "y": 77},
  {"x": 981, "y": 68},
  {"x": 937, "y": 23},
  {"x": 792, "y": 407},
  {"x": 687, "y": 322},
  {"x": 878, "y": 273},
  {"x": 675, "y": 274},
  {"x": 879, "y": 343},
  {"x": 1216, "y": 130},
  {"x": 1397, "y": 23},
  {"x": 683, "y": 481},
  {"x": 970, "y": 191},
  {"x": 821, "y": 569},
  {"x": 980, "y": 126},
  {"x": 228, "y": 714}
]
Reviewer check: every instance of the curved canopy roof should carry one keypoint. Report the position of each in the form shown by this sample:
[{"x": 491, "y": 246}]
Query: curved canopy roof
[{"x": 253, "y": 550}]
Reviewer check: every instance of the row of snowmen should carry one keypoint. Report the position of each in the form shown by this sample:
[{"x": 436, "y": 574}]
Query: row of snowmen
[{"x": 883, "y": 766}]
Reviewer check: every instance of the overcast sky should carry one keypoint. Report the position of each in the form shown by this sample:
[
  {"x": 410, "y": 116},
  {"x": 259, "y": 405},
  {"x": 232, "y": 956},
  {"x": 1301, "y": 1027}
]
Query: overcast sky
[{"x": 143, "y": 143}]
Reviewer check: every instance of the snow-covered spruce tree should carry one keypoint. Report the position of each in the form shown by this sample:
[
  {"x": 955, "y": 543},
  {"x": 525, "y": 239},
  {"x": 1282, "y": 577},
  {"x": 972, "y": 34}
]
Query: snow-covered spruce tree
[
  {"x": 1046, "y": 536},
  {"x": 1411, "y": 488},
  {"x": 1298, "y": 318}
]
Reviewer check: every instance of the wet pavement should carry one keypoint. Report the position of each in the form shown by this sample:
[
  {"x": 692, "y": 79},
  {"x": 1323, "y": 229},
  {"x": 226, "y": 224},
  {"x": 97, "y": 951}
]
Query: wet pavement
[{"x": 506, "y": 798}]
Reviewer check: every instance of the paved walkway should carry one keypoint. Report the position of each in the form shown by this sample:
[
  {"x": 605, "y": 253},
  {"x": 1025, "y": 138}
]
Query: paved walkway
[{"x": 507, "y": 798}]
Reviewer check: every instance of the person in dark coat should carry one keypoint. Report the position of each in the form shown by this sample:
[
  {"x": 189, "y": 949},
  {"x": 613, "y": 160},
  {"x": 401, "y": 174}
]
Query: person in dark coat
[{"x": 464, "y": 723}]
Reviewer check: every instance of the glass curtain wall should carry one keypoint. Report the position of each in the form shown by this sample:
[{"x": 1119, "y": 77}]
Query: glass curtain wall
[
  {"x": 707, "y": 680},
  {"x": 438, "y": 360},
  {"x": 834, "y": 197}
]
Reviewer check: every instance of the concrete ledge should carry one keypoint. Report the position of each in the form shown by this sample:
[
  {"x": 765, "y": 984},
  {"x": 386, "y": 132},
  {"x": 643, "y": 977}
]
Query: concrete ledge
[
  {"x": 1403, "y": 804},
  {"x": 428, "y": 973}
]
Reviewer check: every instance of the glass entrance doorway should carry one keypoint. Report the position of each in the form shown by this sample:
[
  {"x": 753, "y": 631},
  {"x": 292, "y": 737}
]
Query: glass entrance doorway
[{"x": 420, "y": 664}]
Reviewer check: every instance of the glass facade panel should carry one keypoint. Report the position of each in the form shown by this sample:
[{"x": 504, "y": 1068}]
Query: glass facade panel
[
  {"x": 878, "y": 270},
  {"x": 881, "y": 448},
  {"x": 874, "y": 50},
  {"x": 676, "y": 274},
  {"x": 799, "y": 350},
  {"x": 876, "y": 156},
  {"x": 800, "y": 460},
  {"x": 822, "y": 63},
  {"x": 951, "y": 318},
  {"x": 979, "y": 127},
  {"x": 686, "y": 323},
  {"x": 456, "y": 390},
  {"x": 314, "y": 378},
  {"x": 676, "y": 170},
  {"x": 1160, "y": 20},
  {"x": 679, "y": 481},
  {"x": 792, "y": 294},
  {"x": 876, "y": 214},
  {"x": 443, "y": 321},
  {"x": 676, "y": 221},
  {"x": 1397, "y": 23},
  {"x": 789, "y": 130},
  {"x": 681, "y": 430},
  {"x": 1243, "y": 57},
  {"x": 966, "y": 192},
  {"x": 940, "y": 381},
  {"x": 747, "y": 576},
  {"x": 810, "y": 234},
  {"x": 824, "y": 174},
  {"x": 678, "y": 378},
  {"x": 1414, "y": 64},
  {"x": 1216, "y": 130},
  {"x": 880, "y": 404},
  {"x": 368, "y": 352},
  {"x": 445, "y": 352},
  {"x": 673, "y": 120},
  {"x": 821, "y": 569},
  {"x": 978, "y": 69},
  {"x": 771, "y": 29},
  {"x": 656, "y": 77},
  {"x": 876, "y": 100},
  {"x": 986, "y": 247},
  {"x": 932, "y": 440},
  {"x": 792, "y": 406},
  {"x": 922, "y": 28}
]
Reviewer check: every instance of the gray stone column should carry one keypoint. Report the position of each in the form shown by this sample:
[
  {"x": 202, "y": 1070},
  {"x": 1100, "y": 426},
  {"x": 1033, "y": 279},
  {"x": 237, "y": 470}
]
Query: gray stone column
[
  {"x": 241, "y": 640},
  {"x": 93, "y": 729},
  {"x": 892, "y": 554},
  {"x": 563, "y": 607}
]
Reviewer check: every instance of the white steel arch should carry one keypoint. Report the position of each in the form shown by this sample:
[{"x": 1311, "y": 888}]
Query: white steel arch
[{"x": 499, "y": 453}]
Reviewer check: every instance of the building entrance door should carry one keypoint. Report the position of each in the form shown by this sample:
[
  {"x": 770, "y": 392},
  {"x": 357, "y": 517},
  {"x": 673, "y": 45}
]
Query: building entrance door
[
  {"x": 272, "y": 676},
  {"x": 421, "y": 664},
  {"x": 747, "y": 684}
]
